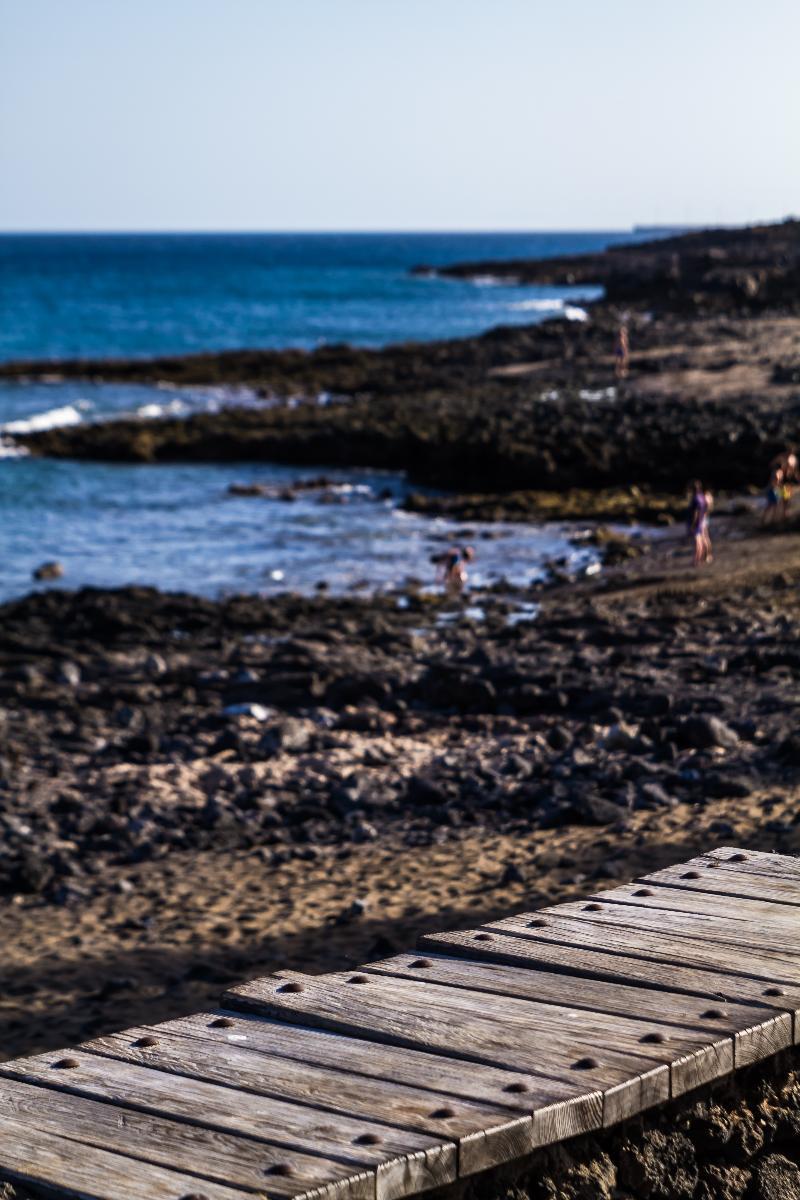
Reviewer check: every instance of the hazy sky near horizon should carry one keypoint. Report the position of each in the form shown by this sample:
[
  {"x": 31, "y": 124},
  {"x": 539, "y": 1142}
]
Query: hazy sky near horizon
[{"x": 396, "y": 114}]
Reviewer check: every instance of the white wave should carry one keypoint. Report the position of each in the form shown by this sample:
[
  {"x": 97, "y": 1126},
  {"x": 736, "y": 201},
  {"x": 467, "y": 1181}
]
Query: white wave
[
  {"x": 175, "y": 408},
  {"x": 494, "y": 280},
  {"x": 9, "y": 449},
  {"x": 573, "y": 313},
  {"x": 538, "y": 305},
  {"x": 53, "y": 418}
]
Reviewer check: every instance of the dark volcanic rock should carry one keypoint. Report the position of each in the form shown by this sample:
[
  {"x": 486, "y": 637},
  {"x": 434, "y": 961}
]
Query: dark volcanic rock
[
  {"x": 662, "y": 1166},
  {"x": 776, "y": 1178},
  {"x": 704, "y": 732},
  {"x": 742, "y": 268},
  {"x": 353, "y": 722}
]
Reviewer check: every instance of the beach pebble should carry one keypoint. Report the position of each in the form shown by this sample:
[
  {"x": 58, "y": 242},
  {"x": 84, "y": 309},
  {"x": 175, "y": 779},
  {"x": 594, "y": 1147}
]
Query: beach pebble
[
  {"x": 258, "y": 711},
  {"x": 247, "y": 489},
  {"x": 559, "y": 738},
  {"x": 352, "y": 913},
  {"x": 49, "y": 570},
  {"x": 621, "y": 737},
  {"x": 68, "y": 673},
  {"x": 704, "y": 732}
]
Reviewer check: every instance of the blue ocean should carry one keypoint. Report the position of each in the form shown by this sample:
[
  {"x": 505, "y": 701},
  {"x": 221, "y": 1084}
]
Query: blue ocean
[{"x": 177, "y": 527}]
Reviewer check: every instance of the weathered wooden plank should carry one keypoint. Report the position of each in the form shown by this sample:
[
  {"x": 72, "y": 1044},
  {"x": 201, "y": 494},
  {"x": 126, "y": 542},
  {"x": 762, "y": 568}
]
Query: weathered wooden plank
[
  {"x": 403, "y": 1161},
  {"x": 752, "y": 1028},
  {"x": 542, "y": 1038},
  {"x": 58, "y": 1164},
  {"x": 708, "y": 877},
  {"x": 555, "y": 1110},
  {"x": 445, "y": 1077},
  {"x": 329, "y": 1088},
  {"x": 650, "y": 941},
  {"x": 736, "y": 915},
  {"x": 721, "y": 932},
  {"x": 783, "y": 866},
  {"x": 556, "y": 951},
  {"x": 693, "y": 1055},
  {"x": 235, "y": 1161}
]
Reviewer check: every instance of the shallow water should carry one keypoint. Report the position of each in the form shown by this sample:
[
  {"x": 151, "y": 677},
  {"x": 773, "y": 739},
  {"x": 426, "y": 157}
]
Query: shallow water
[{"x": 176, "y": 527}]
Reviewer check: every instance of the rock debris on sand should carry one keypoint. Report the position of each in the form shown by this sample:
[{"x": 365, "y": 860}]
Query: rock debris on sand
[{"x": 161, "y": 840}]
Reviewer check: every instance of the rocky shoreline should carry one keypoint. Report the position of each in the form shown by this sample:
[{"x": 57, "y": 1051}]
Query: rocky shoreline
[
  {"x": 712, "y": 390},
  {"x": 137, "y": 724},
  {"x": 751, "y": 269}
]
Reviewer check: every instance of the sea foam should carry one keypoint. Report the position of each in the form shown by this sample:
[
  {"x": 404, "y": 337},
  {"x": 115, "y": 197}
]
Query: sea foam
[
  {"x": 52, "y": 418},
  {"x": 9, "y": 449}
]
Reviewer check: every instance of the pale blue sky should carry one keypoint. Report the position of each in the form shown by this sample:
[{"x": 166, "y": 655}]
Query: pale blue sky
[{"x": 396, "y": 114}]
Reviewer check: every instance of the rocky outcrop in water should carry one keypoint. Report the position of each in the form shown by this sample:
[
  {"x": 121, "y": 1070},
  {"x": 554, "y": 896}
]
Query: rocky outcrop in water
[
  {"x": 493, "y": 439},
  {"x": 745, "y": 270}
]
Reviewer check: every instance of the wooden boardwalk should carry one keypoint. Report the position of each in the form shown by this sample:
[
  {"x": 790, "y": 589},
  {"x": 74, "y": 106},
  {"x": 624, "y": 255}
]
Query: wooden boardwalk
[{"x": 417, "y": 1070}]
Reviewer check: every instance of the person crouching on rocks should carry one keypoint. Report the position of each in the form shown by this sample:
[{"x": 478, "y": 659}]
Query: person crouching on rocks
[
  {"x": 700, "y": 505},
  {"x": 453, "y": 568}
]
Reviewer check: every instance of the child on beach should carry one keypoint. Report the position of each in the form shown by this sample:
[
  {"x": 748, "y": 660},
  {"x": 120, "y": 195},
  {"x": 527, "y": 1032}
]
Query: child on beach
[
  {"x": 700, "y": 505},
  {"x": 453, "y": 567}
]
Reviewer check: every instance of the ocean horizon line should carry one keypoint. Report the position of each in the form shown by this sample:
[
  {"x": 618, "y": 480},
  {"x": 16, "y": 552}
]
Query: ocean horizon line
[{"x": 430, "y": 232}]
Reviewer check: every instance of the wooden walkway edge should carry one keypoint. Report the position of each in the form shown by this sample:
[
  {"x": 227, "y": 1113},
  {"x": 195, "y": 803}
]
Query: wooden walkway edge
[{"x": 424, "y": 1068}]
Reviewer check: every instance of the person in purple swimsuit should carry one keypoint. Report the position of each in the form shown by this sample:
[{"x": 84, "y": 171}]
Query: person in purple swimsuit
[{"x": 700, "y": 505}]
